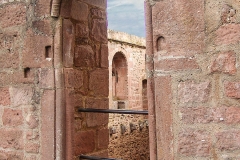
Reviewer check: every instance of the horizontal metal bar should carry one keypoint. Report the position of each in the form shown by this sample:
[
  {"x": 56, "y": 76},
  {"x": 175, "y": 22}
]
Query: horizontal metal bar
[
  {"x": 95, "y": 158},
  {"x": 119, "y": 111}
]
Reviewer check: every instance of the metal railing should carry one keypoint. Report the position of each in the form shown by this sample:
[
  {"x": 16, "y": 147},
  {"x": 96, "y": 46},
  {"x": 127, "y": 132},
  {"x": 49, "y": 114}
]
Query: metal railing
[
  {"x": 84, "y": 157},
  {"x": 117, "y": 111}
]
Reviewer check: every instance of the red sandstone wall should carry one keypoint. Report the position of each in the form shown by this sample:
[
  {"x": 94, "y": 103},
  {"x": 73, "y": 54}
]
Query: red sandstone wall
[
  {"x": 85, "y": 54},
  {"x": 27, "y": 83},
  {"x": 133, "y": 48},
  {"x": 33, "y": 75},
  {"x": 196, "y": 57}
]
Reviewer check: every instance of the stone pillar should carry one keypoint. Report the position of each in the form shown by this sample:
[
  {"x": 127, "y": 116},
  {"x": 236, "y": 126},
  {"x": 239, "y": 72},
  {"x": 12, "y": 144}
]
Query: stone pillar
[
  {"x": 195, "y": 46},
  {"x": 85, "y": 62}
]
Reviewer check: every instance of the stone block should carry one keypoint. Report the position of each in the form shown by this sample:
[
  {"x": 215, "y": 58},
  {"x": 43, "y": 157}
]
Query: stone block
[
  {"x": 232, "y": 115},
  {"x": 43, "y": 26},
  {"x": 228, "y": 34},
  {"x": 96, "y": 119},
  {"x": 47, "y": 130},
  {"x": 32, "y": 121},
  {"x": 232, "y": 89},
  {"x": 12, "y": 117},
  {"x": 97, "y": 103},
  {"x": 34, "y": 51},
  {"x": 13, "y": 15},
  {"x": 82, "y": 30},
  {"x": 46, "y": 78},
  {"x": 104, "y": 56},
  {"x": 98, "y": 13},
  {"x": 164, "y": 113},
  {"x": 99, "y": 30},
  {"x": 9, "y": 60},
  {"x": 42, "y": 8},
  {"x": 32, "y": 147},
  {"x": 4, "y": 96},
  {"x": 68, "y": 40},
  {"x": 84, "y": 142},
  {"x": 204, "y": 115},
  {"x": 84, "y": 56},
  {"x": 176, "y": 64},
  {"x": 191, "y": 91},
  {"x": 225, "y": 62},
  {"x": 65, "y": 10},
  {"x": 31, "y": 157},
  {"x": 73, "y": 99},
  {"x": 228, "y": 140},
  {"x": 99, "y": 3},
  {"x": 98, "y": 82},
  {"x": 5, "y": 79},
  {"x": 181, "y": 23},
  {"x": 194, "y": 143},
  {"x": 26, "y": 75},
  {"x": 5, "y": 155},
  {"x": 21, "y": 95},
  {"x": 11, "y": 138},
  {"x": 103, "y": 138},
  {"x": 73, "y": 78},
  {"x": 79, "y": 11}
]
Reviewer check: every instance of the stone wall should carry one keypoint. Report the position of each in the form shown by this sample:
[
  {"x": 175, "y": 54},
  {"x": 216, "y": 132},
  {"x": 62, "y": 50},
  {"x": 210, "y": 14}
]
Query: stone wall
[
  {"x": 130, "y": 63},
  {"x": 85, "y": 62},
  {"x": 51, "y": 63},
  {"x": 196, "y": 81},
  {"x": 133, "y": 49},
  {"x": 128, "y": 137}
]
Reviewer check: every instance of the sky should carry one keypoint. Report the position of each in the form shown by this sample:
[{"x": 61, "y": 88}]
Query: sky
[{"x": 126, "y": 16}]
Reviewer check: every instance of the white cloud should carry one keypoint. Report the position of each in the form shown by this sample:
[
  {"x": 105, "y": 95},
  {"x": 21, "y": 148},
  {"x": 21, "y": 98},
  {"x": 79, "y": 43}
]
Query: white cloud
[
  {"x": 116, "y": 3},
  {"x": 127, "y": 16}
]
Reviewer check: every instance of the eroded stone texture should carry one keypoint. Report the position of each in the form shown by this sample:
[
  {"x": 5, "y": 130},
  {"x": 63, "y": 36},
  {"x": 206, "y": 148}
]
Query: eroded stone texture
[
  {"x": 11, "y": 138},
  {"x": 12, "y": 117},
  {"x": 176, "y": 64},
  {"x": 74, "y": 78},
  {"x": 181, "y": 23},
  {"x": 228, "y": 140},
  {"x": 190, "y": 91},
  {"x": 21, "y": 96},
  {"x": 232, "y": 89},
  {"x": 68, "y": 39},
  {"x": 194, "y": 143},
  {"x": 225, "y": 62},
  {"x": 100, "y": 3},
  {"x": 98, "y": 82},
  {"x": 99, "y": 30},
  {"x": 12, "y": 15},
  {"x": 4, "y": 96},
  {"x": 86, "y": 139},
  {"x": 228, "y": 34},
  {"x": 79, "y": 11},
  {"x": 84, "y": 56}
]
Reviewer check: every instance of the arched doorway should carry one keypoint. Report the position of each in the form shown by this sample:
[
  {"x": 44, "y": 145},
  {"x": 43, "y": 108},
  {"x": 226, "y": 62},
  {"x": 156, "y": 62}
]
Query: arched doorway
[{"x": 120, "y": 80}]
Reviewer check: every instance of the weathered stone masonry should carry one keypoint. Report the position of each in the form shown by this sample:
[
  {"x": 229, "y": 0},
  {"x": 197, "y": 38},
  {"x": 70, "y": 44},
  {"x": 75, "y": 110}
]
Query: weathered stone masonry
[
  {"x": 49, "y": 67},
  {"x": 195, "y": 49},
  {"x": 192, "y": 68},
  {"x": 132, "y": 50},
  {"x": 127, "y": 89}
]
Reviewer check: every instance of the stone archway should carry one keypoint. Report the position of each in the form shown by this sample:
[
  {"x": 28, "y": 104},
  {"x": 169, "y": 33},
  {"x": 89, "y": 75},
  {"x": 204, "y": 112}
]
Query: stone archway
[{"x": 120, "y": 80}]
